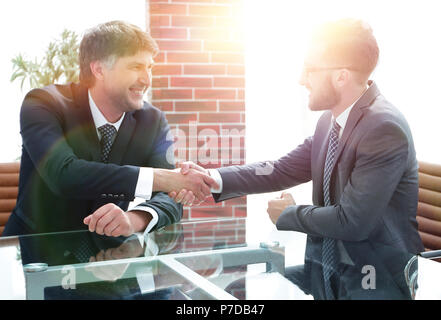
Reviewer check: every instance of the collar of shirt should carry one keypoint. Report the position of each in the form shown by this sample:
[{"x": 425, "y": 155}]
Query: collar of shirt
[
  {"x": 98, "y": 117},
  {"x": 343, "y": 117}
]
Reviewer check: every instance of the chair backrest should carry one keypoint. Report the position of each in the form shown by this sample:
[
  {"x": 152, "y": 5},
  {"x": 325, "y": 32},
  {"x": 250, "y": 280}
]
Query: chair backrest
[
  {"x": 9, "y": 173},
  {"x": 429, "y": 205}
]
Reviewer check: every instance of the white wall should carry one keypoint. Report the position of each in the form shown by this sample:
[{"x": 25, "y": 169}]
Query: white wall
[
  {"x": 408, "y": 74},
  {"x": 27, "y": 27}
]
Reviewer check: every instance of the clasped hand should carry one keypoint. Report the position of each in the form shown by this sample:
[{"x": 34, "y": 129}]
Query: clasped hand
[{"x": 196, "y": 184}]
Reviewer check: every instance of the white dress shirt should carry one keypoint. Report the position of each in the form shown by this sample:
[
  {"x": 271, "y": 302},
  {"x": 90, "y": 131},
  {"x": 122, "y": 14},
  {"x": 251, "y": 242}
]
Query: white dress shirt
[{"x": 144, "y": 186}]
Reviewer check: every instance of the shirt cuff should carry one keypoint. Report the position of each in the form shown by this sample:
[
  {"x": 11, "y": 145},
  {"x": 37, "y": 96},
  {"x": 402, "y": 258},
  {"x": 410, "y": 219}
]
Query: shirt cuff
[
  {"x": 217, "y": 177},
  {"x": 154, "y": 220},
  {"x": 144, "y": 186}
]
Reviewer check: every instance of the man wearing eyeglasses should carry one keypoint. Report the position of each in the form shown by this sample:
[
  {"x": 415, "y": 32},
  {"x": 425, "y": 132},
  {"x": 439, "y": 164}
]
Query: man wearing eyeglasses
[{"x": 361, "y": 160}]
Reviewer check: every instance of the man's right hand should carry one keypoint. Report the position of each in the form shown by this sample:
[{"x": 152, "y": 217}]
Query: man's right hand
[
  {"x": 184, "y": 196},
  {"x": 193, "y": 180}
]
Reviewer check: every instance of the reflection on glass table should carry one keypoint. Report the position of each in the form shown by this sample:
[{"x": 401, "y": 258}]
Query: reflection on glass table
[
  {"x": 201, "y": 260},
  {"x": 84, "y": 265}
]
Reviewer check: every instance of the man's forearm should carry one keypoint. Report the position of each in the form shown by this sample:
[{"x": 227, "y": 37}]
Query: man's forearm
[{"x": 163, "y": 180}]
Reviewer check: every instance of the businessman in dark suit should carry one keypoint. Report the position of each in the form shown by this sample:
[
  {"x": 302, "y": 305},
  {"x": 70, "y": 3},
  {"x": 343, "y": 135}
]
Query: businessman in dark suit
[
  {"x": 90, "y": 148},
  {"x": 361, "y": 160}
]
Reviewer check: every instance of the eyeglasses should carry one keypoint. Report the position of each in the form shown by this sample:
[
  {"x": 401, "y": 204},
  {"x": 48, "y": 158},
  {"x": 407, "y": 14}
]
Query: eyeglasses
[{"x": 309, "y": 70}]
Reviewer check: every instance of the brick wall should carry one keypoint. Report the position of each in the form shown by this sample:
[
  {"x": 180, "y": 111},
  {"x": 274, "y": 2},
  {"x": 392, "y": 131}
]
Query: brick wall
[{"x": 199, "y": 82}]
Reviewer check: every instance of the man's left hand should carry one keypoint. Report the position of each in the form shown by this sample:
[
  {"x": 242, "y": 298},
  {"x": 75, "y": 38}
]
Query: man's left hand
[
  {"x": 112, "y": 221},
  {"x": 276, "y": 206}
]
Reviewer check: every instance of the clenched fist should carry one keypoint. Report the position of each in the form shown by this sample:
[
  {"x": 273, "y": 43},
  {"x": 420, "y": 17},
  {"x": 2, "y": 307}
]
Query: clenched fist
[{"x": 276, "y": 206}]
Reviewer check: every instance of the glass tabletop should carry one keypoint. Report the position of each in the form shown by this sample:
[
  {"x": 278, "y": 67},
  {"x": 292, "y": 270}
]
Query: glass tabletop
[{"x": 205, "y": 259}]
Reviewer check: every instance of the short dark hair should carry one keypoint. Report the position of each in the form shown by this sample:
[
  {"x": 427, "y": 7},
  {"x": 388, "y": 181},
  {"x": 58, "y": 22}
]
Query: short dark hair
[
  {"x": 114, "y": 38},
  {"x": 350, "y": 43}
]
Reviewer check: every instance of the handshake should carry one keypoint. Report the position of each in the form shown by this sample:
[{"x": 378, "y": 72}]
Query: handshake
[{"x": 189, "y": 185}]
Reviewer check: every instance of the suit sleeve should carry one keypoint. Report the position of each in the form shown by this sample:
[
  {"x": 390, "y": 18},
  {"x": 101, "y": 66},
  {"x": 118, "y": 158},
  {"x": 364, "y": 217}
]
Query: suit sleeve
[
  {"x": 381, "y": 161},
  {"x": 63, "y": 172},
  {"x": 162, "y": 156},
  {"x": 261, "y": 177}
]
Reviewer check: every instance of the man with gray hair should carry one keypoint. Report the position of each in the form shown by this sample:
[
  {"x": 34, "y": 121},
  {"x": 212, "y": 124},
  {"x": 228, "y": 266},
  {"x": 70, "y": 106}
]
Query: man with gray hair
[{"x": 89, "y": 148}]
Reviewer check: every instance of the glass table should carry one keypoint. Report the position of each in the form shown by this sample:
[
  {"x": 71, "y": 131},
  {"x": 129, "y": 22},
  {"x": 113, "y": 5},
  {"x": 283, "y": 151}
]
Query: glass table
[{"x": 202, "y": 260}]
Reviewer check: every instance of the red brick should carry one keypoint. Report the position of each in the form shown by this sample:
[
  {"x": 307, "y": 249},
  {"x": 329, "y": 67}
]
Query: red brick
[
  {"x": 229, "y": 82},
  {"x": 223, "y": 46},
  {"x": 215, "y": 94},
  {"x": 227, "y": 58},
  {"x": 232, "y": 106},
  {"x": 160, "y": 82},
  {"x": 163, "y": 105},
  {"x": 230, "y": 127},
  {"x": 191, "y": 82},
  {"x": 196, "y": 105},
  {"x": 240, "y": 212},
  {"x": 187, "y": 57},
  {"x": 204, "y": 69},
  {"x": 218, "y": 34},
  {"x": 169, "y": 33},
  {"x": 242, "y": 118},
  {"x": 172, "y": 94},
  {"x": 189, "y": 21},
  {"x": 210, "y": 10},
  {"x": 210, "y": 212},
  {"x": 219, "y": 117},
  {"x": 166, "y": 69},
  {"x": 199, "y": 128},
  {"x": 236, "y": 69},
  {"x": 159, "y": 21},
  {"x": 238, "y": 201},
  {"x": 204, "y": 233},
  {"x": 181, "y": 118},
  {"x": 227, "y": 154},
  {"x": 241, "y": 94},
  {"x": 225, "y": 234},
  {"x": 184, "y": 45},
  {"x": 165, "y": 8}
]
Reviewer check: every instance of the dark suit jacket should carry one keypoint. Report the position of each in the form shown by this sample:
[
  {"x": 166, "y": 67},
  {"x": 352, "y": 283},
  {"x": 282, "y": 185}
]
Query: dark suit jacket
[
  {"x": 374, "y": 181},
  {"x": 62, "y": 178}
]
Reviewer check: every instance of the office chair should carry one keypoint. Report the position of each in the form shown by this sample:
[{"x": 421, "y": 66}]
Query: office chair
[{"x": 9, "y": 173}]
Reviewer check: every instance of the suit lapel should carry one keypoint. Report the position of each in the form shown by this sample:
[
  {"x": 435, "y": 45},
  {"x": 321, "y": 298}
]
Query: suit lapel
[
  {"x": 122, "y": 139},
  {"x": 355, "y": 116},
  {"x": 86, "y": 121}
]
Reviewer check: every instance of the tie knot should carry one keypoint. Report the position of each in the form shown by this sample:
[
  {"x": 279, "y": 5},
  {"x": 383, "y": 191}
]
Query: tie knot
[
  {"x": 107, "y": 131},
  {"x": 335, "y": 125}
]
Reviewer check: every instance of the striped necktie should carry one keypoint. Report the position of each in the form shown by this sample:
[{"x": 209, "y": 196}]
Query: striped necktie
[{"x": 329, "y": 247}]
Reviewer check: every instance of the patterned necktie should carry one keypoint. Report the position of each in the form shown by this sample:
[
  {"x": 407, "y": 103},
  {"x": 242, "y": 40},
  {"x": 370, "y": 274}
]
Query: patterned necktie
[
  {"x": 329, "y": 250},
  {"x": 107, "y": 132}
]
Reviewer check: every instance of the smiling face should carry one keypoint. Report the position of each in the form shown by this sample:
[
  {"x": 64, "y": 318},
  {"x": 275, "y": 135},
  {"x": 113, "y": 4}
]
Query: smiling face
[{"x": 126, "y": 80}]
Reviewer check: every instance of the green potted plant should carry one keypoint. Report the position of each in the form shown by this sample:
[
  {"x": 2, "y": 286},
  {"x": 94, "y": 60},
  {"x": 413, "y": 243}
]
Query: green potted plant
[{"x": 60, "y": 63}]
